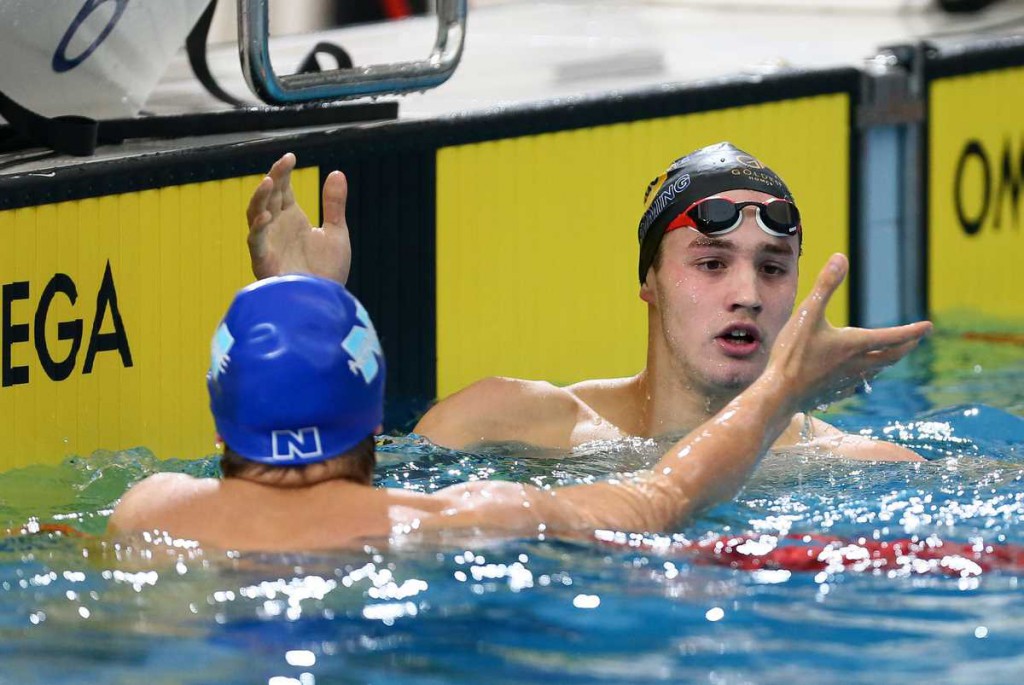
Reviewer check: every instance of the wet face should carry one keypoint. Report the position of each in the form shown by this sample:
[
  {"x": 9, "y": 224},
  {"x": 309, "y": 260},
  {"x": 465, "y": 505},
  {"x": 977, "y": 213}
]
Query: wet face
[{"x": 720, "y": 301}]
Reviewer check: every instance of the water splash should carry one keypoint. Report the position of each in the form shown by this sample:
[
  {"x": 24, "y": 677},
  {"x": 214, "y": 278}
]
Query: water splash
[{"x": 484, "y": 608}]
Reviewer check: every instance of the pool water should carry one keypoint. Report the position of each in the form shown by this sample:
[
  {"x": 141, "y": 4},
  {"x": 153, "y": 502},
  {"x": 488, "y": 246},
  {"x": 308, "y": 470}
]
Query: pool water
[{"x": 479, "y": 610}]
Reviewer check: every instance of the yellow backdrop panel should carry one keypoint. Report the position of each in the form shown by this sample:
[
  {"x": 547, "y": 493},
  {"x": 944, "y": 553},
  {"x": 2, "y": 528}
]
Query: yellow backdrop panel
[
  {"x": 536, "y": 236},
  {"x": 976, "y": 223},
  {"x": 176, "y": 255}
]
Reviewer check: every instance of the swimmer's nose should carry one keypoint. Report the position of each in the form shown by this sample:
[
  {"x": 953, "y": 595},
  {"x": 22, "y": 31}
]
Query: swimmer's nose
[{"x": 745, "y": 293}]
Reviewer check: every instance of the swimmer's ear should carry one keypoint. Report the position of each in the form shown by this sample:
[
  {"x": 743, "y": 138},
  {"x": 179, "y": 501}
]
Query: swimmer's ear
[
  {"x": 379, "y": 429},
  {"x": 647, "y": 292}
]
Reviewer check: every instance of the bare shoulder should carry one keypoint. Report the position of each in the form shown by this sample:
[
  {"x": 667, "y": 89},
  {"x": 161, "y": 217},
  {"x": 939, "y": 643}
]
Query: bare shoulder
[
  {"x": 145, "y": 500},
  {"x": 502, "y": 409},
  {"x": 826, "y": 438},
  {"x": 159, "y": 486},
  {"x": 613, "y": 400},
  {"x": 597, "y": 391}
]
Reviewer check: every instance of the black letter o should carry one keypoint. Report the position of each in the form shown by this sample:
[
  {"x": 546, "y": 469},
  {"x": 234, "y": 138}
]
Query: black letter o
[
  {"x": 61, "y": 63},
  {"x": 971, "y": 226}
]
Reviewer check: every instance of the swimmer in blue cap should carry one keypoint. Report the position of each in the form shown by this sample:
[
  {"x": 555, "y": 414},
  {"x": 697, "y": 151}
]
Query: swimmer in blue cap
[
  {"x": 296, "y": 378},
  {"x": 296, "y": 385},
  {"x": 720, "y": 237}
]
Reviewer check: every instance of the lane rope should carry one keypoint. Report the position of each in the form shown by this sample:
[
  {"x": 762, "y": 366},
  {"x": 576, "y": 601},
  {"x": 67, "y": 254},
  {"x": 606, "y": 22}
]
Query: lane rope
[{"x": 811, "y": 553}]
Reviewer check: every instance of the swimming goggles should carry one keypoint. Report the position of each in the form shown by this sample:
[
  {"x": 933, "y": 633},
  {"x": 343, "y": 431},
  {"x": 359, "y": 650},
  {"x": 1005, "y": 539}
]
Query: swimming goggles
[{"x": 719, "y": 215}]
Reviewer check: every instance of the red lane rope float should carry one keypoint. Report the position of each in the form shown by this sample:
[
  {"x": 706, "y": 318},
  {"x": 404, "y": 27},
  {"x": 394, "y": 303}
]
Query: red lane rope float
[
  {"x": 1005, "y": 338},
  {"x": 811, "y": 553},
  {"x": 36, "y": 528}
]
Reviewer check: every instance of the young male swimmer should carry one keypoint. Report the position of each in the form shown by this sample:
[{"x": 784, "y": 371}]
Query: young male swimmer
[
  {"x": 719, "y": 247},
  {"x": 296, "y": 386}
]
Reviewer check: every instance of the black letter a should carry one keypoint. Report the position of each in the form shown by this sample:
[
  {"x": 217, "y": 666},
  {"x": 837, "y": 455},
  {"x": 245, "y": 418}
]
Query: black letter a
[{"x": 104, "y": 342}]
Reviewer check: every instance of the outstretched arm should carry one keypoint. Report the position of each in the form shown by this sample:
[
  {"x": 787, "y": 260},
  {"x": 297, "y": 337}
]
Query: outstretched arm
[
  {"x": 811, "y": 363},
  {"x": 281, "y": 238}
]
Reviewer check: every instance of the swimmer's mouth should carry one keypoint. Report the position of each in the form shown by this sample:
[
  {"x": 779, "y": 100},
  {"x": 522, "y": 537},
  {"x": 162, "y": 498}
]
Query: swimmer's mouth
[{"x": 740, "y": 339}]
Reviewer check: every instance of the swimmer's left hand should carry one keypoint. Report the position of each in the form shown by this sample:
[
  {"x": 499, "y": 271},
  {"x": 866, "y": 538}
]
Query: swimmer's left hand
[
  {"x": 818, "y": 363},
  {"x": 281, "y": 238}
]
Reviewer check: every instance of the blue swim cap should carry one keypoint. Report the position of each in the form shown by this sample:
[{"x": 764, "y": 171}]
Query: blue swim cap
[{"x": 296, "y": 373}]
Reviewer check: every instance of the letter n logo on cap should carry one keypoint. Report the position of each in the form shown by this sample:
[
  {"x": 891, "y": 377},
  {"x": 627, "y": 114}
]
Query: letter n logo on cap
[{"x": 303, "y": 443}]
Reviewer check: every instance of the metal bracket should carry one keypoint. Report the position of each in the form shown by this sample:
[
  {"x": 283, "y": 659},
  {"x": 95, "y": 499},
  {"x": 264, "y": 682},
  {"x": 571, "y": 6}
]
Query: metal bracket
[
  {"x": 339, "y": 84},
  {"x": 891, "y": 92}
]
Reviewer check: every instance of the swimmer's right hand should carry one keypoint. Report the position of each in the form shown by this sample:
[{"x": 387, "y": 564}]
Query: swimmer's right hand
[
  {"x": 281, "y": 239},
  {"x": 818, "y": 363}
]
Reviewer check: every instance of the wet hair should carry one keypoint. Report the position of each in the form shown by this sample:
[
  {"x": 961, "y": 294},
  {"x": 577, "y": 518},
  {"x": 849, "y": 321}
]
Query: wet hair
[{"x": 357, "y": 464}]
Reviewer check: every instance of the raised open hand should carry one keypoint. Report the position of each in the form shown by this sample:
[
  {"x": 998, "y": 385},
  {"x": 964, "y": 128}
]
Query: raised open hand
[
  {"x": 281, "y": 239},
  {"x": 820, "y": 363}
]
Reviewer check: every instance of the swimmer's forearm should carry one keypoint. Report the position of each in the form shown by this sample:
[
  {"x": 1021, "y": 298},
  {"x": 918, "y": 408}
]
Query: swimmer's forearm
[
  {"x": 707, "y": 466},
  {"x": 713, "y": 462}
]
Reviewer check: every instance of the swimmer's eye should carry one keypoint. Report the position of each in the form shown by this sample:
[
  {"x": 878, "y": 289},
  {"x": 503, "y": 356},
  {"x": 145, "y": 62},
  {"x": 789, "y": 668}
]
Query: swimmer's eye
[
  {"x": 774, "y": 270},
  {"x": 711, "y": 265}
]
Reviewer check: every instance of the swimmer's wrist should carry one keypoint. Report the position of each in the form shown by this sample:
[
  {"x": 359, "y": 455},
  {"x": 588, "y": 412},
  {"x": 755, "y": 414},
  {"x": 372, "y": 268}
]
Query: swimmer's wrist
[{"x": 777, "y": 393}]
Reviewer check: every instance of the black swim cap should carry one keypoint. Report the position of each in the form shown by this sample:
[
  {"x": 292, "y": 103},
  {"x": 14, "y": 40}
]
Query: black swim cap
[{"x": 702, "y": 173}]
